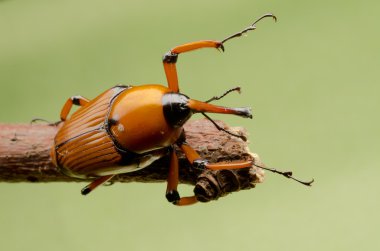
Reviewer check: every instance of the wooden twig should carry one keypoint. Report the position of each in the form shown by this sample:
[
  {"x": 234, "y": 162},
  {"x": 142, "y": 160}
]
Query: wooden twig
[{"x": 25, "y": 148}]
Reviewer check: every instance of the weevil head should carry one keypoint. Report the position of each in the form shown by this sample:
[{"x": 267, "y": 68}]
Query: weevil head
[{"x": 176, "y": 109}]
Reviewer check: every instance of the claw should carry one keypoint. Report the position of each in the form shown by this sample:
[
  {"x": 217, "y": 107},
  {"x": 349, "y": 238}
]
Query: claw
[
  {"x": 287, "y": 174},
  {"x": 265, "y": 16},
  {"x": 220, "y": 47},
  {"x": 237, "y": 89}
]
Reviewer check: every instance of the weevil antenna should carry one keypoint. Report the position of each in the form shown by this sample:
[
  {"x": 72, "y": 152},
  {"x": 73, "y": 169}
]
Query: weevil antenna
[
  {"x": 249, "y": 28},
  {"x": 222, "y": 129},
  {"x": 286, "y": 174},
  {"x": 238, "y": 89}
]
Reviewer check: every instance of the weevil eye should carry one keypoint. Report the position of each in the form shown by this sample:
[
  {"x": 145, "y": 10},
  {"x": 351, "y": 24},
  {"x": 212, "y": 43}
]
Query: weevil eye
[{"x": 176, "y": 110}]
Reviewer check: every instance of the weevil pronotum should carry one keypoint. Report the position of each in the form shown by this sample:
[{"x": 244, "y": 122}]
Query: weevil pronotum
[{"x": 126, "y": 128}]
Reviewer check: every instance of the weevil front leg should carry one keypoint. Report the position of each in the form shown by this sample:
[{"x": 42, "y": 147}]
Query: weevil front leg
[
  {"x": 172, "y": 194},
  {"x": 170, "y": 58},
  {"x": 74, "y": 100}
]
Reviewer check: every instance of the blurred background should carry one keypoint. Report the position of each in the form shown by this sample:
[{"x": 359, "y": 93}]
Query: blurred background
[{"x": 310, "y": 78}]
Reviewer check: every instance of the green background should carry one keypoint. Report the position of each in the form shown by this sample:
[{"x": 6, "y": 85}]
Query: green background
[{"x": 310, "y": 78}]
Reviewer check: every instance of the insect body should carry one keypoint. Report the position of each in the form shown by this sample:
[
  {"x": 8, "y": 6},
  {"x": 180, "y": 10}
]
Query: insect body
[{"x": 126, "y": 128}]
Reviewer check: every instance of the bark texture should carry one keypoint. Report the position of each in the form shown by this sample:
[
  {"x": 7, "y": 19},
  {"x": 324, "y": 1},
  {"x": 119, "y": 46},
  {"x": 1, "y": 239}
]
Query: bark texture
[{"x": 25, "y": 157}]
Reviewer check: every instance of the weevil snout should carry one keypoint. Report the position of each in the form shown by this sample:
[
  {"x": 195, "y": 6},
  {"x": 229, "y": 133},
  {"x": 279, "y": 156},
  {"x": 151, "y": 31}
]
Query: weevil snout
[
  {"x": 178, "y": 108},
  {"x": 203, "y": 107}
]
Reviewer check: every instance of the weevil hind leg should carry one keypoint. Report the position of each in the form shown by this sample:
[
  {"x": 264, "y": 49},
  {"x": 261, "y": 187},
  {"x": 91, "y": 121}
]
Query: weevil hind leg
[
  {"x": 172, "y": 194},
  {"x": 74, "y": 100},
  {"x": 94, "y": 184}
]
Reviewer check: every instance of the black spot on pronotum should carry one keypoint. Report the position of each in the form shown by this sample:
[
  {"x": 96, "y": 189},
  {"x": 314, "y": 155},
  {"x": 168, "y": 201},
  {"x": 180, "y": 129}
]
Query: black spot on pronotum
[{"x": 112, "y": 122}]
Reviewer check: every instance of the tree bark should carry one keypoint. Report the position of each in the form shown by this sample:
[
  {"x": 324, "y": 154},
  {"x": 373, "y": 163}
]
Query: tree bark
[{"x": 25, "y": 157}]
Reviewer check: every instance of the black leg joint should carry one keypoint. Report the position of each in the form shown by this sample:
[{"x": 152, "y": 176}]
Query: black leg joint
[
  {"x": 170, "y": 58},
  {"x": 76, "y": 100},
  {"x": 86, "y": 190},
  {"x": 182, "y": 139},
  {"x": 200, "y": 164},
  {"x": 172, "y": 196}
]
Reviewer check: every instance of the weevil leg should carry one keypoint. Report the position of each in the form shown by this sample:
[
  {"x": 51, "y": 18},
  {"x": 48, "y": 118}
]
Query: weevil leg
[
  {"x": 172, "y": 194},
  {"x": 200, "y": 163},
  {"x": 97, "y": 182},
  {"x": 74, "y": 100},
  {"x": 170, "y": 59}
]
